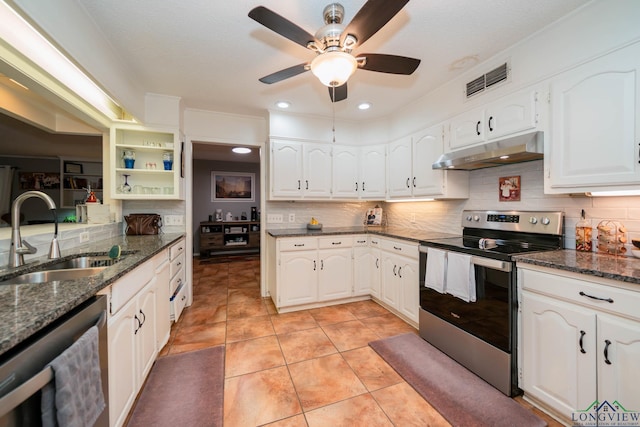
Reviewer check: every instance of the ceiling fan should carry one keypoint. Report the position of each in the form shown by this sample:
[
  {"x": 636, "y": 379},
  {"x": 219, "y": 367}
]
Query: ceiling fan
[{"x": 334, "y": 42}]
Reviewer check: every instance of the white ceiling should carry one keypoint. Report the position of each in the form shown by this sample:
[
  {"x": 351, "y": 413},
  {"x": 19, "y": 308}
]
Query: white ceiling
[{"x": 211, "y": 54}]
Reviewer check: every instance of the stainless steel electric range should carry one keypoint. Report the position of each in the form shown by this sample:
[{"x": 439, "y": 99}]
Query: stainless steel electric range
[{"x": 479, "y": 331}]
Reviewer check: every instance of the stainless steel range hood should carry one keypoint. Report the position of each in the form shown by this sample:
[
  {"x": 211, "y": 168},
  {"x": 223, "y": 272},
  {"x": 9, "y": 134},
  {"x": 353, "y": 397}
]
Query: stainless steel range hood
[{"x": 517, "y": 149}]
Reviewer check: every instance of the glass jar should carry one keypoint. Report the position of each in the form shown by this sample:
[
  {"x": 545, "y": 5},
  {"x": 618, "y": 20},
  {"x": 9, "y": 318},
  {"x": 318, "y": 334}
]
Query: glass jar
[
  {"x": 129, "y": 158},
  {"x": 584, "y": 232},
  {"x": 167, "y": 159}
]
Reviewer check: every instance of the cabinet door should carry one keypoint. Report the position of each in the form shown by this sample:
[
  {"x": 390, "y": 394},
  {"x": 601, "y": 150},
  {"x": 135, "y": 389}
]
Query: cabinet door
[
  {"x": 399, "y": 168},
  {"x": 595, "y": 118},
  {"x": 555, "y": 370},
  {"x": 123, "y": 361},
  {"x": 389, "y": 291},
  {"x": 317, "y": 170},
  {"x": 286, "y": 169},
  {"x": 409, "y": 298},
  {"x": 335, "y": 276},
  {"x": 372, "y": 172},
  {"x": 376, "y": 272},
  {"x": 512, "y": 114},
  {"x": 427, "y": 147},
  {"x": 146, "y": 332},
  {"x": 467, "y": 129},
  {"x": 163, "y": 311},
  {"x": 363, "y": 270},
  {"x": 298, "y": 279},
  {"x": 345, "y": 172},
  {"x": 619, "y": 380}
]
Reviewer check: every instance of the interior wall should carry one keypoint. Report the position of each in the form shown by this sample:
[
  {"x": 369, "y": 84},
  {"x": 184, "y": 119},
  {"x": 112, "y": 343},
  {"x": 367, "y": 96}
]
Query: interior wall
[{"x": 203, "y": 206}]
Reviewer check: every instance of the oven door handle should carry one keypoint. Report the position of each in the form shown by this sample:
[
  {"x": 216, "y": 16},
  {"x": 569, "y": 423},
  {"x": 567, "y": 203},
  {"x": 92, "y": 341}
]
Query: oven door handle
[{"x": 494, "y": 264}]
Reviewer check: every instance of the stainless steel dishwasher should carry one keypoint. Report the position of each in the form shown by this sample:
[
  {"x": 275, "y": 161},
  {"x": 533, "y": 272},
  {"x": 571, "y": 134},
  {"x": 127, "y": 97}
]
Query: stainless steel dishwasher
[{"x": 24, "y": 369}]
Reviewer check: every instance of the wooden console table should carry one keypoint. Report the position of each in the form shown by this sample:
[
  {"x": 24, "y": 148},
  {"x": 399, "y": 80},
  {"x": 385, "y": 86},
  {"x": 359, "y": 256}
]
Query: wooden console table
[{"x": 232, "y": 237}]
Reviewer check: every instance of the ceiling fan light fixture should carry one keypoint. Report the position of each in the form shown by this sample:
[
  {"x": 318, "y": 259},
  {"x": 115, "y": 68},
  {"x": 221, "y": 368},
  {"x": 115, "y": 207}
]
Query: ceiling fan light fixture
[
  {"x": 241, "y": 150},
  {"x": 333, "y": 68}
]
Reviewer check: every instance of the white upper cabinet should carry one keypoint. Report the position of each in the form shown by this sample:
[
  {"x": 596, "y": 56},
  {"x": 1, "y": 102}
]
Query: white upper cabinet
[
  {"x": 512, "y": 114},
  {"x": 595, "y": 115},
  {"x": 300, "y": 170},
  {"x": 410, "y": 172},
  {"x": 317, "y": 170},
  {"x": 345, "y": 172},
  {"x": 372, "y": 172},
  {"x": 399, "y": 172},
  {"x": 286, "y": 169}
]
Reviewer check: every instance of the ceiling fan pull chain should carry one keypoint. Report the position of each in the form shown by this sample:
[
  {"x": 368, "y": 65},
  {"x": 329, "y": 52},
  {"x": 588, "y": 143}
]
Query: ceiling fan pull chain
[{"x": 333, "y": 108}]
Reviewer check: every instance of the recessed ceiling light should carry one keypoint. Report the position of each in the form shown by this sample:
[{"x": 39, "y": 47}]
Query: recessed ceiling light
[
  {"x": 364, "y": 105},
  {"x": 241, "y": 150},
  {"x": 283, "y": 104}
]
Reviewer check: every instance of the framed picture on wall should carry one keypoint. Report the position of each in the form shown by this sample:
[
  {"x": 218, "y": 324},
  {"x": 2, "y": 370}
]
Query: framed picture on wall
[{"x": 232, "y": 186}]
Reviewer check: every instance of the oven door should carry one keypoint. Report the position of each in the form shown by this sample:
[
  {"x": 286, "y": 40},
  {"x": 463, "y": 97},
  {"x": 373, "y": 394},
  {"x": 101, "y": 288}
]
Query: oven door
[{"x": 491, "y": 317}]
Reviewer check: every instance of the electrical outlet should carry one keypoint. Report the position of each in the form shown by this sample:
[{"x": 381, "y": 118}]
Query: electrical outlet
[
  {"x": 173, "y": 220},
  {"x": 413, "y": 217},
  {"x": 292, "y": 217},
  {"x": 84, "y": 237},
  {"x": 275, "y": 218}
]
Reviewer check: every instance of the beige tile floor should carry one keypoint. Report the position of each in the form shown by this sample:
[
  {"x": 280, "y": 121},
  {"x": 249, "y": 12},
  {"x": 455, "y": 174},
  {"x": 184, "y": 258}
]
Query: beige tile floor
[{"x": 307, "y": 368}]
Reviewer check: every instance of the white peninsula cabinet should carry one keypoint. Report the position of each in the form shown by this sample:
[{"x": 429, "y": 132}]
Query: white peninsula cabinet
[
  {"x": 400, "y": 268},
  {"x": 300, "y": 170},
  {"x": 410, "y": 173},
  {"x": 146, "y": 177},
  {"x": 512, "y": 114},
  {"x": 595, "y": 113},
  {"x": 579, "y": 341}
]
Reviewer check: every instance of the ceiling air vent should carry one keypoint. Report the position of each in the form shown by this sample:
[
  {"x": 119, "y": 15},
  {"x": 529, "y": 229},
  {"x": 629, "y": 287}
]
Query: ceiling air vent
[{"x": 487, "y": 80}]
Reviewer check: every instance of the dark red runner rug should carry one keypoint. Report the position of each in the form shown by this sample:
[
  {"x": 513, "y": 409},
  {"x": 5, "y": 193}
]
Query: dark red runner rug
[
  {"x": 184, "y": 389},
  {"x": 463, "y": 398}
]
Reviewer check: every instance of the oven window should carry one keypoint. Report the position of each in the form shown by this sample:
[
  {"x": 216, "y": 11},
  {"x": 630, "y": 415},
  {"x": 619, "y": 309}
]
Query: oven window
[{"x": 488, "y": 318}]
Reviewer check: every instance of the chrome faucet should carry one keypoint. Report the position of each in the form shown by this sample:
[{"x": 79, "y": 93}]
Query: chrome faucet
[{"x": 17, "y": 250}]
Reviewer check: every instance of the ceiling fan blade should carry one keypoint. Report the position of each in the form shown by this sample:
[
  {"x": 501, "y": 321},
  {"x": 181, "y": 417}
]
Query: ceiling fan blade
[
  {"x": 370, "y": 18},
  {"x": 284, "y": 74},
  {"x": 338, "y": 93},
  {"x": 391, "y": 64},
  {"x": 280, "y": 25}
]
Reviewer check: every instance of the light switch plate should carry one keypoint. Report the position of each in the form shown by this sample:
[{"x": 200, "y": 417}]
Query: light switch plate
[{"x": 292, "y": 217}]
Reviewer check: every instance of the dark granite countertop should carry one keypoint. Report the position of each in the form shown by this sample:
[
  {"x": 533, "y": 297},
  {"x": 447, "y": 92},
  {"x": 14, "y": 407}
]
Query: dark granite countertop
[
  {"x": 411, "y": 234},
  {"x": 625, "y": 269},
  {"x": 27, "y": 308}
]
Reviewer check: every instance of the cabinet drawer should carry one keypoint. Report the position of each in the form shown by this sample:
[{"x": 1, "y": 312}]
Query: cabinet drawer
[
  {"x": 335, "y": 242},
  {"x": 583, "y": 291},
  {"x": 177, "y": 249},
  {"x": 129, "y": 285},
  {"x": 210, "y": 240},
  {"x": 360, "y": 241},
  {"x": 176, "y": 281},
  {"x": 176, "y": 265},
  {"x": 298, "y": 244},
  {"x": 399, "y": 247},
  {"x": 178, "y": 302}
]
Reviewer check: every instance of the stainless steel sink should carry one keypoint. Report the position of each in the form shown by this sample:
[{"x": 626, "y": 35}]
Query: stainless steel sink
[
  {"x": 53, "y": 275},
  {"x": 67, "y": 269}
]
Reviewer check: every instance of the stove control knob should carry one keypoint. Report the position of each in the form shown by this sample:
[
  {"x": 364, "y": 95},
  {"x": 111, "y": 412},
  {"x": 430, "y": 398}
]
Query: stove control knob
[
  {"x": 545, "y": 221},
  {"x": 476, "y": 218},
  {"x": 469, "y": 217},
  {"x": 533, "y": 220}
]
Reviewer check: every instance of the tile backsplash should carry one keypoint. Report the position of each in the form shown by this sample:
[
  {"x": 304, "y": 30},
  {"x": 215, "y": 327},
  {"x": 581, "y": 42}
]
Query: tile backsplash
[{"x": 446, "y": 216}]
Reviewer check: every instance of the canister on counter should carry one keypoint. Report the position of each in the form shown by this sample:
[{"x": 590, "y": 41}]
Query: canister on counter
[{"x": 584, "y": 234}]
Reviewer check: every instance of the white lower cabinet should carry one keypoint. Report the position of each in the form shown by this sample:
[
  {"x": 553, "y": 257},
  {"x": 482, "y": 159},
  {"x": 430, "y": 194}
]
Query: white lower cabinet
[
  {"x": 365, "y": 269},
  {"x": 297, "y": 278},
  {"x": 400, "y": 269},
  {"x": 132, "y": 350},
  {"x": 163, "y": 293},
  {"x": 335, "y": 274},
  {"x": 580, "y": 344}
]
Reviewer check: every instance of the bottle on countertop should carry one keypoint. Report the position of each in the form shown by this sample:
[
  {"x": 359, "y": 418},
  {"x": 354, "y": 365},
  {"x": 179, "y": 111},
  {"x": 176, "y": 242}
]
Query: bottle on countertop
[{"x": 584, "y": 234}]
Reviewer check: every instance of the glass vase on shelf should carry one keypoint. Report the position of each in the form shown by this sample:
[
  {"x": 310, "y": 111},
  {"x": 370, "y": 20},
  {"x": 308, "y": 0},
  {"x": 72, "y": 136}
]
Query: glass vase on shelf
[{"x": 129, "y": 158}]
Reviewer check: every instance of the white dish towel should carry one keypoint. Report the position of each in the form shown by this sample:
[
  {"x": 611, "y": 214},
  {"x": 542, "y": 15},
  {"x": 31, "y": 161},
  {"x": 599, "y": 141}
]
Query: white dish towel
[
  {"x": 436, "y": 268},
  {"x": 461, "y": 278}
]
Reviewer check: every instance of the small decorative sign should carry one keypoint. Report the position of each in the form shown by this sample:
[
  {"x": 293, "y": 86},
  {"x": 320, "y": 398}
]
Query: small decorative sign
[{"x": 509, "y": 188}]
